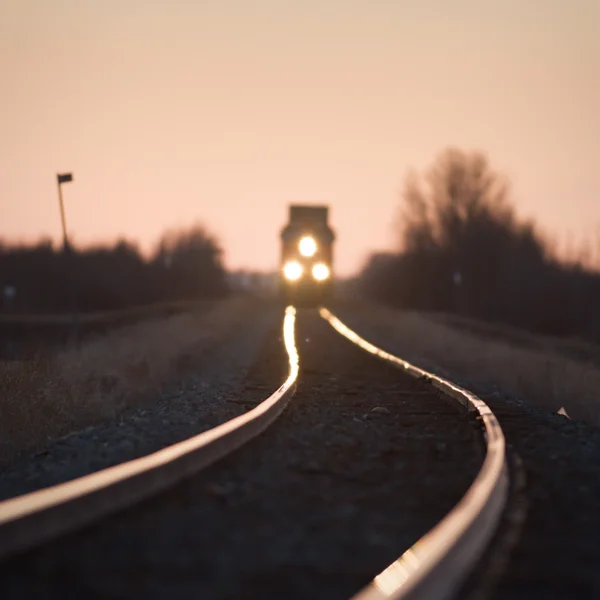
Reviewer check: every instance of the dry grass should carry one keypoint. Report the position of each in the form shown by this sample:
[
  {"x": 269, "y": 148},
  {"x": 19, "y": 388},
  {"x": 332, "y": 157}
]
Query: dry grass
[
  {"x": 544, "y": 376},
  {"x": 570, "y": 347},
  {"x": 46, "y": 398}
]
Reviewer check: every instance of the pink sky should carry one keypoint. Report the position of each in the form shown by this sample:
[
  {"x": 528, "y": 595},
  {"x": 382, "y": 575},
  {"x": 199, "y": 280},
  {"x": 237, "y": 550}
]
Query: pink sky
[{"x": 168, "y": 112}]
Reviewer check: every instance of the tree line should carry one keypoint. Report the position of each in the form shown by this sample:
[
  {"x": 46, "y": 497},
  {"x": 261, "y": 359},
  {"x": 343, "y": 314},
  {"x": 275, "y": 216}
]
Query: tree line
[
  {"x": 41, "y": 278},
  {"x": 463, "y": 249}
]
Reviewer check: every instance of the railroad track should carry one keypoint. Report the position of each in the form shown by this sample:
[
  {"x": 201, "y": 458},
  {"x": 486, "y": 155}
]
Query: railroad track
[{"x": 434, "y": 567}]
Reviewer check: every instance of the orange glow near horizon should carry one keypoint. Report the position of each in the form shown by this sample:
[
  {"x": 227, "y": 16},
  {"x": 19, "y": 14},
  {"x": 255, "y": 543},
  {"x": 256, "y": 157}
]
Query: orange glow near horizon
[{"x": 169, "y": 113}]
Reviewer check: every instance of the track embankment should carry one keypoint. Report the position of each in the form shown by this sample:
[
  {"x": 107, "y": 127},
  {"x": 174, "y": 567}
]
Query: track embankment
[
  {"x": 127, "y": 376},
  {"x": 547, "y": 545},
  {"x": 363, "y": 462}
]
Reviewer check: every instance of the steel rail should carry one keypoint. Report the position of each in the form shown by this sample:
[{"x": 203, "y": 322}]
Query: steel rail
[
  {"x": 437, "y": 564},
  {"x": 30, "y": 519}
]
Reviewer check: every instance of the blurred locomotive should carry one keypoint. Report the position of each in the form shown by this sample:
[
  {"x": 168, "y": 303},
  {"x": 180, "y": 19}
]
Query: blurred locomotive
[{"x": 307, "y": 256}]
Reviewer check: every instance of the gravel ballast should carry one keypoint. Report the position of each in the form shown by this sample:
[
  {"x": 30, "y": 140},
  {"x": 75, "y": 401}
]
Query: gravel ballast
[{"x": 361, "y": 464}]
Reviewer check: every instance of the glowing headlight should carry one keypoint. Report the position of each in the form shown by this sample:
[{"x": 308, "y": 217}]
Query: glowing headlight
[
  {"x": 320, "y": 272},
  {"x": 307, "y": 246},
  {"x": 292, "y": 270}
]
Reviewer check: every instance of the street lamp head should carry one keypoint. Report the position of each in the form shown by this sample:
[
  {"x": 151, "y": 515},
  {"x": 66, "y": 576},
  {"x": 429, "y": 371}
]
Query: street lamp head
[{"x": 64, "y": 177}]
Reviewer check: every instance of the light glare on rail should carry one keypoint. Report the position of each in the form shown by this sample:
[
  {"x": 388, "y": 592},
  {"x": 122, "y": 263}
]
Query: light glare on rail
[{"x": 290, "y": 342}]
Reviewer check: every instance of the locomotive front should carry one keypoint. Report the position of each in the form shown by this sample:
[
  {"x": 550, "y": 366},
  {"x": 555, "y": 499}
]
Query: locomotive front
[{"x": 307, "y": 256}]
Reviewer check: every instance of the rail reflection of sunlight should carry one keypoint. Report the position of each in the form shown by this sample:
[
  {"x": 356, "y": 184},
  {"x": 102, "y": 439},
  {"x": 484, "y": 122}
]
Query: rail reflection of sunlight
[{"x": 289, "y": 323}]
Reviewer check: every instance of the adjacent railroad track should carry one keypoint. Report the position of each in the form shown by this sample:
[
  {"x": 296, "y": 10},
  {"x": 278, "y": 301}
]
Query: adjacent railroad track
[{"x": 433, "y": 567}]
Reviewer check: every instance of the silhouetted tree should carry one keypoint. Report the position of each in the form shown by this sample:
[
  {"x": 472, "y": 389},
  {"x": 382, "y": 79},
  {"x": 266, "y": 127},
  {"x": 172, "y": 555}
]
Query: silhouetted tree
[
  {"x": 191, "y": 263},
  {"x": 185, "y": 266},
  {"x": 464, "y": 250}
]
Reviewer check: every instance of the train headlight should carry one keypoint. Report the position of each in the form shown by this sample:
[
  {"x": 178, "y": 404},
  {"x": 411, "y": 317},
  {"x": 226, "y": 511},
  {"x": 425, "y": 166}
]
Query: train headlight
[
  {"x": 320, "y": 272},
  {"x": 307, "y": 246},
  {"x": 292, "y": 270}
]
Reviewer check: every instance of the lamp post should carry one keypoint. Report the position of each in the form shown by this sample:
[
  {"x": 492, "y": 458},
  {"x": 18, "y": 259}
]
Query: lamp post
[
  {"x": 63, "y": 178},
  {"x": 66, "y": 178}
]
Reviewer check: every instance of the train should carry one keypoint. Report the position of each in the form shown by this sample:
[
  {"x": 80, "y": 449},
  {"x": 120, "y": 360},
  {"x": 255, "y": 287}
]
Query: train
[{"x": 306, "y": 276}]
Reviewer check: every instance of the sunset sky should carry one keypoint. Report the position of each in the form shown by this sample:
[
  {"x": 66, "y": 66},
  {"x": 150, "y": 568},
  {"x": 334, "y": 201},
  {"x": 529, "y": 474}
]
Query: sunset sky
[{"x": 226, "y": 111}]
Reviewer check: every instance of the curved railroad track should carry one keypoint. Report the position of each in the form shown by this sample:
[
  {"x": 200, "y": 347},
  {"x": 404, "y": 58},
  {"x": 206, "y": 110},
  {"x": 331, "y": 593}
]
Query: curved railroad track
[
  {"x": 433, "y": 567},
  {"x": 440, "y": 561}
]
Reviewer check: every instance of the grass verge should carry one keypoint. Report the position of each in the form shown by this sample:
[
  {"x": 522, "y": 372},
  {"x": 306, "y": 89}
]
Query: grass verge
[
  {"x": 48, "y": 397},
  {"x": 546, "y": 375}
]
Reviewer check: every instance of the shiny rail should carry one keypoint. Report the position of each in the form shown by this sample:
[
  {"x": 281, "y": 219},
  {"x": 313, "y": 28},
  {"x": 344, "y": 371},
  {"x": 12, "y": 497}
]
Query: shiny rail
[
  {"x": 31, "y": 519},
  {"x": 435, "y": 567}
]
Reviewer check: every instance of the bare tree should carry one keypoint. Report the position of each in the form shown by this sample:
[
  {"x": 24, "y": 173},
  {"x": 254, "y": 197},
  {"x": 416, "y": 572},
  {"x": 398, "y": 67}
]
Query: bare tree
[{"x": 462, "y": 246}]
